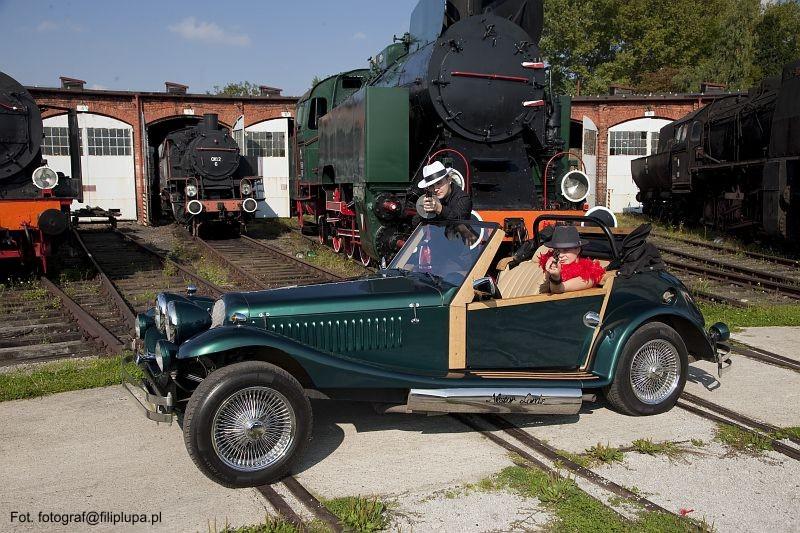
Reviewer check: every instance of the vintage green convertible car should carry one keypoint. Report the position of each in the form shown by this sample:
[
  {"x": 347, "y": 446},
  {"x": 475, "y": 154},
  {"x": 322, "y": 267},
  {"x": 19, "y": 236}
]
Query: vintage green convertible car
[{"x": 431, "y": 333}]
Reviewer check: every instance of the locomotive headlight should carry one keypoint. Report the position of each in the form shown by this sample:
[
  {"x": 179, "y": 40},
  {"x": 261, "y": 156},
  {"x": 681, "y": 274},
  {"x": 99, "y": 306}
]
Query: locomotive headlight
[
  {"x": 44, "y": 177},
  {"x": 191, "y": 190},
  {"x": 246, "y": 187}
]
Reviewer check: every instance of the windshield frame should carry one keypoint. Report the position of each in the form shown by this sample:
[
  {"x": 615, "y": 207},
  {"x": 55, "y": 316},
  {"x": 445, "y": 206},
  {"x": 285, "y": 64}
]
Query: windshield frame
[{"x": 402, "y": 258}]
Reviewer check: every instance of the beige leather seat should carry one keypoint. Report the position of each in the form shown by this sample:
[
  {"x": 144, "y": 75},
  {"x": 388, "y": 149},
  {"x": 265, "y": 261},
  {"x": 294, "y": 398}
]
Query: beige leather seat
[{"x": 528, "y": 278}]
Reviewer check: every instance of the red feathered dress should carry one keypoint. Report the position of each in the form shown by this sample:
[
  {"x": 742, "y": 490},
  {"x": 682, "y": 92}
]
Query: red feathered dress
[{"x": 584, "y": 268}]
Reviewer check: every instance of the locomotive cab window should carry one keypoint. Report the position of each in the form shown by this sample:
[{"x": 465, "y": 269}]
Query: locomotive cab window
[
  {"x": 318, "y": 109},
  {"x": 697, "y": 131}
]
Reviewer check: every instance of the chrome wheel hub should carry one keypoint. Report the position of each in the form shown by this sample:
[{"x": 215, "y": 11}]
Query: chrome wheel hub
[
  {"x": 655, "y": 371},
  {"x": 253, "y": 429}
]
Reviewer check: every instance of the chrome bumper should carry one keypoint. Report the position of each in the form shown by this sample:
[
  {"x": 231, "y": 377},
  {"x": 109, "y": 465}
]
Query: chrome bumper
[{"x": 157, "y": 406}]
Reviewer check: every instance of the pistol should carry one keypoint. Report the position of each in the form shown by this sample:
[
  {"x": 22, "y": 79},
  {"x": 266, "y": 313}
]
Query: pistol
[{"x": 556, "y": 255}]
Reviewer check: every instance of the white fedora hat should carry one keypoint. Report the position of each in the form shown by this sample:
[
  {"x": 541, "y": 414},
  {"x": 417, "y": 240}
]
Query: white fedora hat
[{"x": 433, "y": 173}]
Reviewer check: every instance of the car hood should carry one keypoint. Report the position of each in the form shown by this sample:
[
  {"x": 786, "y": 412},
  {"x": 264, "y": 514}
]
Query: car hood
[{"x": 377, "y": 292}]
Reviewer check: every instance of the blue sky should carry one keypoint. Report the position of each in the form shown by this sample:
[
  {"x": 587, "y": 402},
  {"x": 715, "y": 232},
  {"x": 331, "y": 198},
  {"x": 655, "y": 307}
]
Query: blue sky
[{"x": 139, "y": 44}]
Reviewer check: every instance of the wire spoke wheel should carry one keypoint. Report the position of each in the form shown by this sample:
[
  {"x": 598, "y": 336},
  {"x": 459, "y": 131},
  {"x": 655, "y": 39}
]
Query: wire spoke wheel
[
  {"x": 655, "y": 371},
  {"x": 253, "y": 429}
]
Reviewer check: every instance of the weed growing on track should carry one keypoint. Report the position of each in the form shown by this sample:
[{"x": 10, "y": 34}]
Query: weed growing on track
[
  {"x": 212, "y": 272},
  {"x": 62, "y": 376},
  {"x": 577, "y": 458},
  {"x": 786, "y": 433},
  {"x": 739, "y": 440},
  {"x": 671, "y": 450},
  {"x": 360, "y": 514},
  {"x": 753, "y": 316},
  {"x": 272, "y": 524},
  {"x": 604, "y": 454},
  {"x": 576, "y": 511}
]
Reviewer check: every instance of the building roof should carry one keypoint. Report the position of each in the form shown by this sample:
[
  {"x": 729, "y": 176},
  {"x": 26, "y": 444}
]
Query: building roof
[
  {"x": 649, "y": 97},
  {"x": 57, "y": 91}
]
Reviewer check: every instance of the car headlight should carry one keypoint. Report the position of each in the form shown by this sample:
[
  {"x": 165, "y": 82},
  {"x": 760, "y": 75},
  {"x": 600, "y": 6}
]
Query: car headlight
[
  {"x": 171, "y": 321},
  {"x": 246, "y": 188},
  {"x": 161, "y": 310},
  {"x": 143, "y": 322},
  {"x": 165, "y": 351},
  {"x": 191, "y": 190}
]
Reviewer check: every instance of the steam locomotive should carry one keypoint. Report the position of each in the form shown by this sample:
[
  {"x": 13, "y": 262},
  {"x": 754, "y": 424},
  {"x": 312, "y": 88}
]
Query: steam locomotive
[
  {"x": 465, "y": 86},
  {"x": 733, "y": 165},
  {"x": 203, "y": 178},
  {"x": 34, "y": 199}
]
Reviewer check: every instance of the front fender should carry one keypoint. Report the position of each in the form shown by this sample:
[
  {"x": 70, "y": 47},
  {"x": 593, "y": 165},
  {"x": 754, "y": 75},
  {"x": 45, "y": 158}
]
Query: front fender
[{"x": 623, "y": 322}]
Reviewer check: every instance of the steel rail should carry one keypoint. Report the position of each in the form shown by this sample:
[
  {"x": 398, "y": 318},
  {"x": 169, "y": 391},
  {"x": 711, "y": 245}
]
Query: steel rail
[
  {"x": 744, "y": 274},
  {"x": 86, "y": 322},
  {"x": 714, "y": 297},
  {"x": 764, "y": 356},
  {"x": 590, "y": 475},
  {"x": 321, "y": 272},
  {"x": 312, "y": 503},
  {"x": 508, "y": 446},
  {"x": 237, "y": 270},
  {"x": 733, "y": 415},
  {"x": 281, "y": 507},
  {"x": 720, "y": 418},
  {"x": 785, "y": 261},
  {"x": 734, "y": 278},
  {"x": 111, "y": 290}
]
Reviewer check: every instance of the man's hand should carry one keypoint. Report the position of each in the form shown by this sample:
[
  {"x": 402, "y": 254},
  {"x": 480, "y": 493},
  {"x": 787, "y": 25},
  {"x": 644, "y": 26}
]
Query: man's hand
[{"x": 432, "y": 205}]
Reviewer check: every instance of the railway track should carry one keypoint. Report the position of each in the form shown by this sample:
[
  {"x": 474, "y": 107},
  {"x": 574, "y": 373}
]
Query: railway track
[
  {"x": 732, "y": 271},
  {"x": 258, "y": 265},
  {"x": 765, "y": 356}
]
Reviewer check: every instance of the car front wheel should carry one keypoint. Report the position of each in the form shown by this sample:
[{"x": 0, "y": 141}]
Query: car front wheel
[
  {"x": 651, "y": 371},
  {"x": 246, "y": 424}
]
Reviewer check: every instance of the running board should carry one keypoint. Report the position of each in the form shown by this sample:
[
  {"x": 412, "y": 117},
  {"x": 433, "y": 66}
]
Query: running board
[{"x": 537, "y": 400}]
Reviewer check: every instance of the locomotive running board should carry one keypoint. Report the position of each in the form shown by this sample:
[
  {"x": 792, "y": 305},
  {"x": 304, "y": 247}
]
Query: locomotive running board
[{"x": 538, "y": 400}]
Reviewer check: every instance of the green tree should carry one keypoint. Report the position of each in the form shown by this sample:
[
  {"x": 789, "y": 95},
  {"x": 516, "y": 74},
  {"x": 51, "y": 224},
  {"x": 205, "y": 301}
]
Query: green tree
[
  {"x": 242, "y": 88},
  {"x": 777, "y": 38}
]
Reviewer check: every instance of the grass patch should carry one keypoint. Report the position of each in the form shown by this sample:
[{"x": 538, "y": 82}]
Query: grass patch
[
  {"x": 699, "y": 443},
  {"x": 648, "y": 447},
  {"x": 753, "y": 316},
  {"x": 788, "y": 433},
  {"x": 743, "y": 441},
  {"x": 360, "y": 514},
  {"x": 576, "y": 511},
  {"x": 604, "y": 454},
  {"x": 57, "y": 377},
  {"x": 273, "y": 524},
  {"x": 582, "y": 460},
  {"x": 212, "y": 272}
]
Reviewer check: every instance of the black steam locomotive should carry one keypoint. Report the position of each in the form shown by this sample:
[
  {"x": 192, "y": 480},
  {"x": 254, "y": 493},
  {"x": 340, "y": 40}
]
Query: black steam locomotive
[
  {"x": 203, "y": 178},
  {"x": 465, "y": 86},
  {"x": 733, "y": 165},
  {"x": 35, "y": 200}
]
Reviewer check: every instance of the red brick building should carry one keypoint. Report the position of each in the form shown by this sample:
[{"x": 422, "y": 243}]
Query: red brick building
[
  {"x": 142, "y": 120},
  {"x": 626, "y": 127}
]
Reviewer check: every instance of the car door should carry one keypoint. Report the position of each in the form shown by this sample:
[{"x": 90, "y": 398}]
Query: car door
[{"x": 545, "y": 331}]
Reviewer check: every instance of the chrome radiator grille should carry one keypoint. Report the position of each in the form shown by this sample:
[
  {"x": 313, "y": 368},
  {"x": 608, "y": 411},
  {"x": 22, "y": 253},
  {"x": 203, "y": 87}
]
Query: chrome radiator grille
[{"x": 344, "y": 335}]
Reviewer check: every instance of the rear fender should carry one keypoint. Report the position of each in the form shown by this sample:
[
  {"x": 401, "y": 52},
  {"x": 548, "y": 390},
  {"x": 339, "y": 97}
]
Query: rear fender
[{"x": 619, "y": 326}]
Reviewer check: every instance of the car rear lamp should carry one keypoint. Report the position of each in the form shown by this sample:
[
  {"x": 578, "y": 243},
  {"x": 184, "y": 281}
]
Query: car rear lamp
[
  {"x": 44, "y": 177},
  {"x": 249, "y": 205},
  {"x": 719, "y": 332}
]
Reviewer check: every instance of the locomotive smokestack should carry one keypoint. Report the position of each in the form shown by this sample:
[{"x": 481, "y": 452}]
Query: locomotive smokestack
[{"x": 211, "y": 121}]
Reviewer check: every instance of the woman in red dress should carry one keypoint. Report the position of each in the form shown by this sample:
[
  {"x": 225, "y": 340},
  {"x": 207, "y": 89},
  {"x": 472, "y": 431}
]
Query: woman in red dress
[{"x": 566, "y": 270}]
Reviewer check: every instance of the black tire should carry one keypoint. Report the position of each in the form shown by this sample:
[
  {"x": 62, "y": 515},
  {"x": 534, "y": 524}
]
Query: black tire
[
  {"x": 211, "y": 395},
  {"x": 621, "y": 394}
]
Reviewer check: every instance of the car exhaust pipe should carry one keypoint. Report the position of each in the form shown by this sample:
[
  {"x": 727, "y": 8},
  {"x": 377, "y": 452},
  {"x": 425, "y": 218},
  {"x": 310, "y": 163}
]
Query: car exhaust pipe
[{"x": 535, "y": 400}]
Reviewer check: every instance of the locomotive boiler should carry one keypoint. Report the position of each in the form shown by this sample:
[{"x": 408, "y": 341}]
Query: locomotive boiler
[
  {"x": 466, "y": 86},
  {"x": 733, "y": 165},
  {"x": 203, "y": 178},
  {"x": 35, "y": 200}
]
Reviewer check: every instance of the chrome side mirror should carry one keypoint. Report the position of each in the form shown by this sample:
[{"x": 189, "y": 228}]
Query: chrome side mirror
[{"x": 486, "y": 287}]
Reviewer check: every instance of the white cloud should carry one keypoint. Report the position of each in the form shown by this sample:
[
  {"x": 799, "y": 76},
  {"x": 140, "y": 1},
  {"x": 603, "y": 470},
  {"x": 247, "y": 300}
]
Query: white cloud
[
  {"x": 47, "y": 25},
  {"x": 359, "y": 36},
  {"x": 192, "y": 29}
]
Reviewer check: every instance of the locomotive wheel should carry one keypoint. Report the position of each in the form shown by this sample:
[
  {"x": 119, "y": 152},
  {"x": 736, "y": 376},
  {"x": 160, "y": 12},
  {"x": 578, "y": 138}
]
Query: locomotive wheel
[
  {"x": 349, "y": 247},
  {"x": 363, "y": 257},
  {"x": 337, "y": 243}
]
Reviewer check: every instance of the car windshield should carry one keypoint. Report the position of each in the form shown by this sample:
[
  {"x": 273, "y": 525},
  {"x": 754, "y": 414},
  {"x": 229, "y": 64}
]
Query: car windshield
[{"x": 444, "y": 251}]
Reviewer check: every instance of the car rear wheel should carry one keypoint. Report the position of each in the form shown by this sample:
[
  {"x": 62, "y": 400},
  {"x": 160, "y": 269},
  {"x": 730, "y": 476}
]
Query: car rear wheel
[
  {"x": 651, "y": 371},
  {"x": 246, "y": 424}
]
